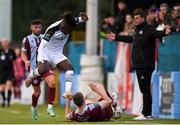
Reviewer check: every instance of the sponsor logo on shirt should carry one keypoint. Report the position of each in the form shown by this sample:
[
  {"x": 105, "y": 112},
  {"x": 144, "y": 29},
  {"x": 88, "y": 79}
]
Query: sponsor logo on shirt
[{"x": 61, "y": 37}]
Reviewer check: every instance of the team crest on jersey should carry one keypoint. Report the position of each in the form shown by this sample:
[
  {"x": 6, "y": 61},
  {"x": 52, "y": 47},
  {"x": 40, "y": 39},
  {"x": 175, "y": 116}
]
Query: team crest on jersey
[
  {"x": 35, "y": 81},
  {"x": 141, "y": 32}
]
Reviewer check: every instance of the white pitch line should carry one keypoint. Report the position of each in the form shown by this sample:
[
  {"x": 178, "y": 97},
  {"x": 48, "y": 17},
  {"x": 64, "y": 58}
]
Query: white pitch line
[{"x": 10, "y": 111}]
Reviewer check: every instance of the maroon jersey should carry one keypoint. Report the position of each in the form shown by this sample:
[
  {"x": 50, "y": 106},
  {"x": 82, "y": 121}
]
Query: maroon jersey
[{"x": 92, "y": 112}]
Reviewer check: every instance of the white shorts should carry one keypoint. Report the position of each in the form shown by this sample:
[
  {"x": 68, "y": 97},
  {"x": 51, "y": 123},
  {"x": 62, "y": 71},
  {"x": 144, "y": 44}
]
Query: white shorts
[{"x": 52, "y": 58}]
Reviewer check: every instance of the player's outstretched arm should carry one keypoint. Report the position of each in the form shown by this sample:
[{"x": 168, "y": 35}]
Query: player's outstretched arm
[
  {"x": 122, "y": 38},
  {"x": 67, "y": 110}
]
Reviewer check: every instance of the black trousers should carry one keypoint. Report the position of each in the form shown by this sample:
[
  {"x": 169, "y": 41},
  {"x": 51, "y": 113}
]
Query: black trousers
[{"x": 144, "y": 80}]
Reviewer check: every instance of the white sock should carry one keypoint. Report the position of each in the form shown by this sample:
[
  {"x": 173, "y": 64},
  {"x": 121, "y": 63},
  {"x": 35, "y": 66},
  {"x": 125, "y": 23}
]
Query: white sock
[
  {"x": 35, "y": 72},
  {"x": 69, "y": 78},
  {"x": 50, "y": 106},
  {"x": 31, "y": 74},
  {"x": 68, "y": 86},
  {"x": 33, "y": 108}
]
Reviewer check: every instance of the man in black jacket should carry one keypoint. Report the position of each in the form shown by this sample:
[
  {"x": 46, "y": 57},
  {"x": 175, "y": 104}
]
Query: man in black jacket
[{"x": 143, "y": 56}]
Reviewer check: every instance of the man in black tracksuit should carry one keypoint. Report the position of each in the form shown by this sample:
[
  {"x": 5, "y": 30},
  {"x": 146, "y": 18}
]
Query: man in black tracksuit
[{"x": 143, "y": 56}]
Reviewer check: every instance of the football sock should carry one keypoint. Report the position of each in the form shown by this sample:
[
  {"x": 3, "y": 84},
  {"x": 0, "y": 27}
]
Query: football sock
[
  {"x": 50, "y": 106},
  {"x": 9, "y": 97},
  {"x": 51, "y": 95},
  {"x": 69, "y": 78},
  {"x": 68, "y": 86},
  {"x": 34, "y": 100}
]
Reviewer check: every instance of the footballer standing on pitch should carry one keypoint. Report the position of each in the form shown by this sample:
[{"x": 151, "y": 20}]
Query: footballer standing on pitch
[
  {"x": 29, "y": 53},
  {"x": 7, "y": 58},
  {"x": 51, "y": 51}
]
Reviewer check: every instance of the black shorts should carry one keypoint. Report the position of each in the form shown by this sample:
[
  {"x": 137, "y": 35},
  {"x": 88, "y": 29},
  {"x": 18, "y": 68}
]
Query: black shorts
[{"x": 5, "y": 76}]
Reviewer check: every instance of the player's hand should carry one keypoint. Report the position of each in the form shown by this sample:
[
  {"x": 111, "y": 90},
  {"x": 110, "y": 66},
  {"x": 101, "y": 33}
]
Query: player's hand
[
  {"x": 111, "y": 36},
  {"x": 83, "y": 16},
  {"x": 93, "y": 86},
  {"x": 27, "y": 64}
]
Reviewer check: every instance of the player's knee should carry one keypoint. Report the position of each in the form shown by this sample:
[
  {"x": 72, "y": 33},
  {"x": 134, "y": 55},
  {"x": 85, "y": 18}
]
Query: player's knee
[
  {"x": 44, "y": 68},
  {"x": 51, "y": 83},
  {"x": 69, "y": 75}
]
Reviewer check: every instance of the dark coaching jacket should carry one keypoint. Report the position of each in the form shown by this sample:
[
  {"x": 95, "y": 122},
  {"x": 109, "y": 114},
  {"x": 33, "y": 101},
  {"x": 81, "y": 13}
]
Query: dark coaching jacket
[{"x": 143, "y": 49}]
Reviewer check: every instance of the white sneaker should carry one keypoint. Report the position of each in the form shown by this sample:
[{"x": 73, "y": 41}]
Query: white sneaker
[
  {"x": 140, "y": 117},
  {"x": 34, "y": 113},
  {"x": 149, "y": 117},
  {"x": 117, "y": 111},
  {"x": 51, "y": 112}
]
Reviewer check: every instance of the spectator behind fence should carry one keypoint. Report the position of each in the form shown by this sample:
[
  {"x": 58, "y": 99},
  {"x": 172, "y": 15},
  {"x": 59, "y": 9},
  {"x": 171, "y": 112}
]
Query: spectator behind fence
[
  {"x": 176, "y": 17},
  {"x": 161, "y": 23},
  {"x": 176, "y": 8},
  {"x": 109, "y": 24},
  {"x": 152, "y": 17},
  {"x": 19, "y": 74},
  {"x": 128, "y": 26},
  {"x": 120, "y": 15},
  {"x": 7, "y": 57},
  {"x": 165, "y": 11}
]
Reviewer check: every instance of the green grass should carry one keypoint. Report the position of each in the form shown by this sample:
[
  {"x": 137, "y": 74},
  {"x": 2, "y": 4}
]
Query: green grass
[{"x": 21, "y": 114}]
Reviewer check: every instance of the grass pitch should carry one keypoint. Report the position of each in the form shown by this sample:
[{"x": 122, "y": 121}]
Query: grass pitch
[{"x": 21, "y": 114}]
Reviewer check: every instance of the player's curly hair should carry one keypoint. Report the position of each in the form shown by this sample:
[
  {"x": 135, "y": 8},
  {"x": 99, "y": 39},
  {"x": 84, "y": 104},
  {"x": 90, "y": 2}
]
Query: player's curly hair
[{"x": 67, "y": 16}]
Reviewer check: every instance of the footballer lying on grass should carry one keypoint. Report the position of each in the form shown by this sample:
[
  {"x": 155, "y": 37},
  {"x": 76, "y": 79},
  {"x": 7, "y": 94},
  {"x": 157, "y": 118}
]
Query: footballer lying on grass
[{"x": 105, "y": 109}]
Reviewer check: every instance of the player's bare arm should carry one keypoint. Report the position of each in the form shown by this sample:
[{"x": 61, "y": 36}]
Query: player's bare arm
[
  {"x": 24, "y": 57},
  {"x": 67, "y": 110}
]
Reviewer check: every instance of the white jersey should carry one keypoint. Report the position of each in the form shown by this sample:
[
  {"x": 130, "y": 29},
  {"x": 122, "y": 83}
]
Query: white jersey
[
  {"x": 51, "y": 47},
  {"x": 56, "y": 42}
]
